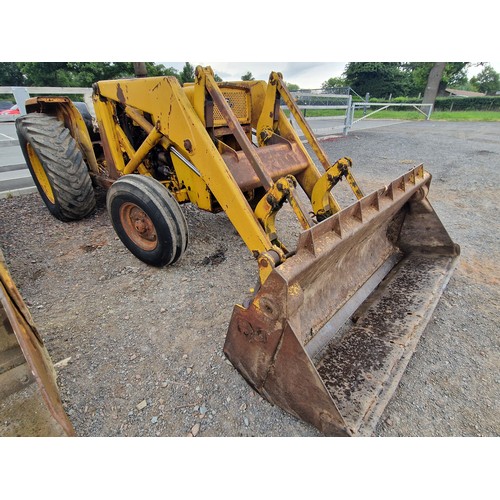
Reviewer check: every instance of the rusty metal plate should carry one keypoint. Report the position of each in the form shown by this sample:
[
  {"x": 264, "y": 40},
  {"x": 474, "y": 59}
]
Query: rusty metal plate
[
  {"x": 363, "y": 368},
  {"x": 39, "y": 404}
]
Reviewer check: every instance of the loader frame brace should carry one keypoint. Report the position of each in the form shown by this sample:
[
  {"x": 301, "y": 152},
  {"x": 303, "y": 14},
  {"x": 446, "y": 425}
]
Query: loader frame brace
[{"x": 267, "y": 125}]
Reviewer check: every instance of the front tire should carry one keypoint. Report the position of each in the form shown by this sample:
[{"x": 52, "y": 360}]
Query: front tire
[
  {"x": 147, "y": 219},
  {"x": 56, "y": 165}
]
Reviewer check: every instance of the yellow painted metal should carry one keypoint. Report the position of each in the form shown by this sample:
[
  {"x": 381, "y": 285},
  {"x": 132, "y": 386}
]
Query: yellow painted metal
[
  {"x": 199, "y": 94},
  {"x": 268, "y": 207},
  {"x": 198, "y": 192},
  {"x": 150, "y": 142},
  {"x": 268, "y": 121},
  {"x": 145, "y": 125},
  {"x": 278, "y": 84},
  {"x": 237, "y": 131},
  {"x": 269, "y": 116},
  {"x": 129, "y": 149},
  {"x": 18, "y": 331},
  {"x": 40, "y": 173},
  {"x": 354, "y": 185},
  {"x": 321, "y": 204},
  {"x": 304, "y": 126},
  {"x": 193, "y": 122},
  {"x": 166, "y": 103},
  {"x": 105, "y": 112}
]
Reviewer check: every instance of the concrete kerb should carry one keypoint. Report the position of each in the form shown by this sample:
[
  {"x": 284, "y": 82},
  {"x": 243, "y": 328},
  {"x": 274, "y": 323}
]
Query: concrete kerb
[
  {"x": 17, "y": 192},
  {"x": 9, "y": 142}
]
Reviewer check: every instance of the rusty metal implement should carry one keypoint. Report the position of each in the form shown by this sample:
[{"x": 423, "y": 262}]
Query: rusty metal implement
[
  {"x": 26, "y": 408},
  {"x": 328, "y": 335}
]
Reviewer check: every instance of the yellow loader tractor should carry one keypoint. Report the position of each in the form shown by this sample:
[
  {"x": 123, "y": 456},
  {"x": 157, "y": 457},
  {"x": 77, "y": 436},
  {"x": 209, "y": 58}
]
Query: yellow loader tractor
[{"x": 336, "y": 317}]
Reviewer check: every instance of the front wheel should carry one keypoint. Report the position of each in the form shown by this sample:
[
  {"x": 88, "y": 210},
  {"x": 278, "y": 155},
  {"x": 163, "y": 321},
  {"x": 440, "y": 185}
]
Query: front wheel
[{"x": 147, "y": 219}]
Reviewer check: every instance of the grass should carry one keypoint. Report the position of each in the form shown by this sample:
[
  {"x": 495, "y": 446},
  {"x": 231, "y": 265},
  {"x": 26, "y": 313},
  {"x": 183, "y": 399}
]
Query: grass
[
  {"x": 467, "y": 116},
  {"x": 452, "y": 116}
]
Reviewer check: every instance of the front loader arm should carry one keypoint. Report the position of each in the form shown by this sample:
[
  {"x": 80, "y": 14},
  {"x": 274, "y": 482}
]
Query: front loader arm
[{"x": 175, "y": 119}]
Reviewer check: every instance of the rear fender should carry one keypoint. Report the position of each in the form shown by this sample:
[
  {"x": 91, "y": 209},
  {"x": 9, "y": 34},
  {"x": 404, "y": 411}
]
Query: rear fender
[{"x": 65, "y": 110}]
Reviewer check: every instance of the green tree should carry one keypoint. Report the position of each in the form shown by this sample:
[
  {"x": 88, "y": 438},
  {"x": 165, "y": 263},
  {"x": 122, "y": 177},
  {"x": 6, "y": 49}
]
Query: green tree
[
  {"x": 161, "y": 70},
  {"x": 84, "y": 74},
  {"x": 49, "y": 74},
  {"x": 187, "y": 74},
  {"x": 334, "y": 82},
  {"x": 292, "y": 87},
  {"x": 153, "y": 69},
  {"x": 417, "y": 74},
  {"x": 10, "y": 74},
  {"x": 380, "y": 79},
  {"x": 247, "y": 77},
  {"x": 487, "y": 81}
]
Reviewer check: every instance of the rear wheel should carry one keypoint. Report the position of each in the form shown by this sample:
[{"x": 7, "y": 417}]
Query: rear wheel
[
  {"x": 147, "y": 219},
  {"x": 56, "y": 165}
]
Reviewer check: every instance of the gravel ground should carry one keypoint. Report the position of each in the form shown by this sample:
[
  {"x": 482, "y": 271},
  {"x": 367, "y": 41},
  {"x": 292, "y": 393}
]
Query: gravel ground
[{"x": 146, "y": 344}]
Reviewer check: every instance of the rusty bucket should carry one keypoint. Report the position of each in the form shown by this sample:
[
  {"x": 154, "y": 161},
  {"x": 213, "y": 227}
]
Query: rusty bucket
[
  {"x": 328, "y": 335},
  {"x": 30, "y": 403}
]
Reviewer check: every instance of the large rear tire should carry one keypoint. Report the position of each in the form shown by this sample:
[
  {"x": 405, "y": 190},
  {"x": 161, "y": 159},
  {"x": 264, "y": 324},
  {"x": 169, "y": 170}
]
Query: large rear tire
[
  {"x": 147, "y": 219},
  {"x": 56, "y": 165}
]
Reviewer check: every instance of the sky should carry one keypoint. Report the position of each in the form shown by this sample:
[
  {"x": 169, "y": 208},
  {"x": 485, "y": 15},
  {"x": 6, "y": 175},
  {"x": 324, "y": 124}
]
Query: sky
[{"x": 307, "y": 75}]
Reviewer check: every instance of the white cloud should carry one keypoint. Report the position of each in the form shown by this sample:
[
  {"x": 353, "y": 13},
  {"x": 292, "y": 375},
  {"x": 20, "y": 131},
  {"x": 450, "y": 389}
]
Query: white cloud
[{"x": 307, "y": 75}]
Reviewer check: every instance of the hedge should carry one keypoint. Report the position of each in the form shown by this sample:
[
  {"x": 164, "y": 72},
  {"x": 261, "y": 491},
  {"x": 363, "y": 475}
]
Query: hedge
[{"x": 486, "y": 103}]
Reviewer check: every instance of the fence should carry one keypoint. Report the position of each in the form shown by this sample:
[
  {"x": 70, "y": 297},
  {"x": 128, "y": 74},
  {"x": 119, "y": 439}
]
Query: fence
[
  {"x": 339, "y": 98},
  {"x": 350, "y": 121},
  {"x": 343, "y": 99}
]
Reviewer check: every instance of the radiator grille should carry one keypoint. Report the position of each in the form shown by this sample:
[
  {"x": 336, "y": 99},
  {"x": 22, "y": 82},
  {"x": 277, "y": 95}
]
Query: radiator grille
[{"x": 239, "y": 102}]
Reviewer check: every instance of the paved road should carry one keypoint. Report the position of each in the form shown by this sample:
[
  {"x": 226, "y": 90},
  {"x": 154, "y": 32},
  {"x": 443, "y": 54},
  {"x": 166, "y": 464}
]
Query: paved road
[{"x": 15, "y": 178}]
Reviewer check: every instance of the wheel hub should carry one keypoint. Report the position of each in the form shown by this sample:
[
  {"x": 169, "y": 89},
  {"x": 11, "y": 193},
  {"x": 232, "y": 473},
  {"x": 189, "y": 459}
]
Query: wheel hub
[{"x": 138, "y": 226}]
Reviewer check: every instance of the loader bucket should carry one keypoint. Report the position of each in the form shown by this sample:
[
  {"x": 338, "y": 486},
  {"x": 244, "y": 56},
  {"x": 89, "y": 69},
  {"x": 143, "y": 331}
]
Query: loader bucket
[
  {"x": 329, "y": 333},
  {"x": 26, "y": 408}
]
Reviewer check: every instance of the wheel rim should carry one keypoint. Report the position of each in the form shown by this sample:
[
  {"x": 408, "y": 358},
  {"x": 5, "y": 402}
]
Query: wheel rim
[
  {"x": 40, "y": 174},
  {"x": 138, "y": 226}
]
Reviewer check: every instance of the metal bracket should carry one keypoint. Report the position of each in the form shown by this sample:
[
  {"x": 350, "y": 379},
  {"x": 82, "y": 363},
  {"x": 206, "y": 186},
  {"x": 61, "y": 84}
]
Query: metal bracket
[
  {"x": 322, "y": 204},
  {"x": 281, "y": 191}
]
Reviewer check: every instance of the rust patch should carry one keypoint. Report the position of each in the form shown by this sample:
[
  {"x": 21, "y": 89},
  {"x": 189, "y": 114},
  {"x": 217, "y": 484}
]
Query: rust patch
[{"x": 120, "y": 95}]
